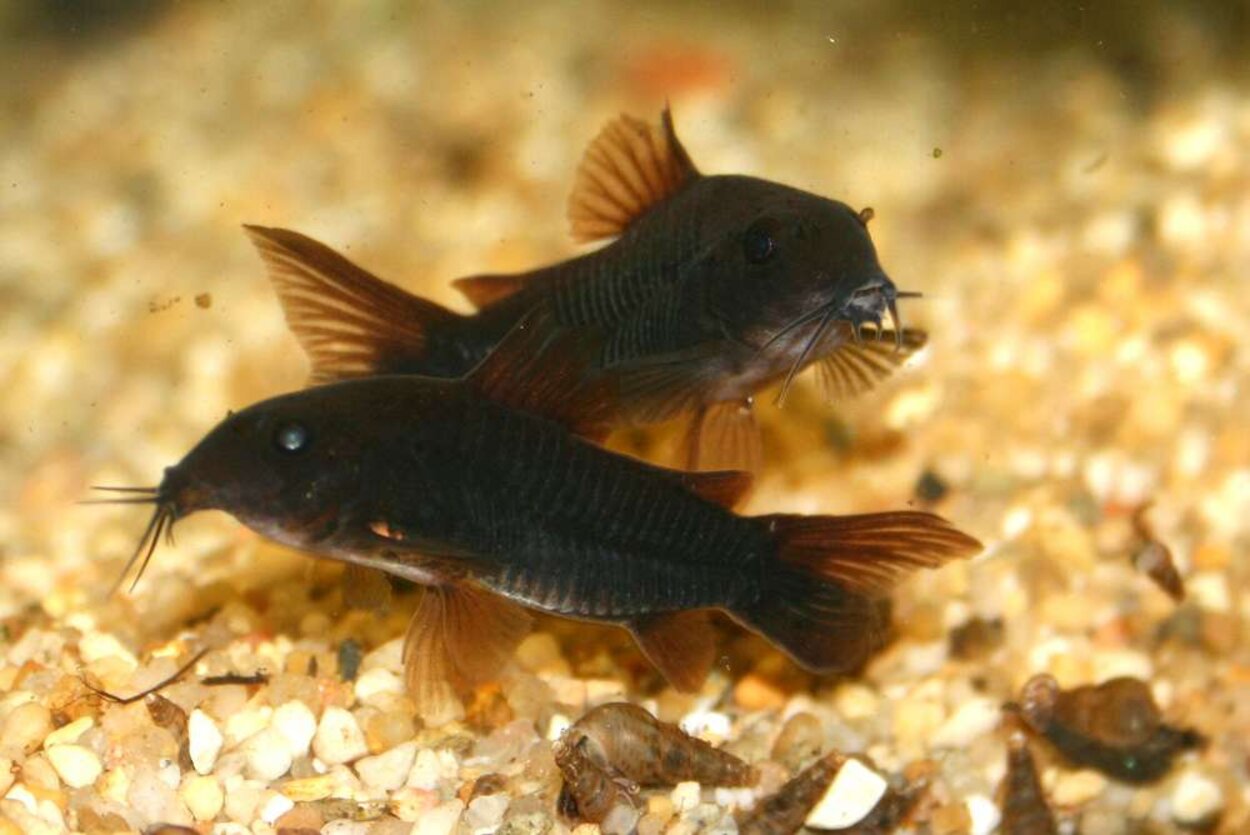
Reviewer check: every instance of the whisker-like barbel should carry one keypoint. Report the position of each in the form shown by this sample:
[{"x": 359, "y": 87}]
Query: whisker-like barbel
[
  {"x": 146, "y": 547},
  {"x": 794, "y": 325},
  {"x": 111, "y": 489},
  {"x": 821, "y": 330}
]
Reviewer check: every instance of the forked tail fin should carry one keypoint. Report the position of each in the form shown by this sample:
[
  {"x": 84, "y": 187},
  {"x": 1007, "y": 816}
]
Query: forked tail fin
[
  {"x": 819, "y": 599},
  {"x": 350, "y": 322}
]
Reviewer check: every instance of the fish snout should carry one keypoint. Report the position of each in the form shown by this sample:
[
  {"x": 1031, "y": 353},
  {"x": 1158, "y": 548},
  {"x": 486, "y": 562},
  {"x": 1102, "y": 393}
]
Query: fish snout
[{"x": 181, "y": 494}]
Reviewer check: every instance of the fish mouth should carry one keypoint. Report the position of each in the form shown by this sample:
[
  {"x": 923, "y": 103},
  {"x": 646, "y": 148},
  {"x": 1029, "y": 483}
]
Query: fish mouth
[
  {"x": 869, "y": 304},
  {"x": 173, "y": 498}
]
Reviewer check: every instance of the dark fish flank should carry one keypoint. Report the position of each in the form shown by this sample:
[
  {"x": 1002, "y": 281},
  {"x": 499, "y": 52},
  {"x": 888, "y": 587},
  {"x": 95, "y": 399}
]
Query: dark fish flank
[
  {"x": 484, "y": 491},
  {"x": 709, "y": 289}
]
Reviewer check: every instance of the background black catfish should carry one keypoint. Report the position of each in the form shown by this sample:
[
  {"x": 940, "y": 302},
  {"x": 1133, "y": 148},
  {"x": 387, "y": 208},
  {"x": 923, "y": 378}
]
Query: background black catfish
[
  {"x": 461, "y": 486},
  {"x": 716, "y": 287}
]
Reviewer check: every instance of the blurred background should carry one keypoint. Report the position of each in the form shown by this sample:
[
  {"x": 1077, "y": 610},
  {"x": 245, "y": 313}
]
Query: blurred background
[{"x": 1067, "y": 183}]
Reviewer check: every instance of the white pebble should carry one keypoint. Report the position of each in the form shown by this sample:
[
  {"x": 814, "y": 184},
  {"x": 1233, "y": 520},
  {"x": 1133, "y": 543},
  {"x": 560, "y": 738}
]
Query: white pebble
[
  {"x": 275, "y": 807},
  {"x": 375, "y": 681},
  {"x": 96, "y": 646},
  {"x": 204, "y": 741},
  {"x": 339, "y": 738},
  {"x": 1196, "y": 798},
  {"x": 855, "y": 790},
  {"x": 297, "y": 725},
  {"x": 389, "y": 770},
  {"x": 486, "y": 812},
  {"x": 75, "y": 765},
  {"x": 441, "y": 820},
  {"x": 557, "y": 726},
  {"x": 685, "y": 796},
  {"x": 975, "y": 718},
  {"x": 203, "y": 796},
  {"x": 268, "y": 756},
  {"x": 247, "y": 723},
  {"x": 343, "y": 826},
  {"x": 431, "y": 768},
  {"x": 708, "y": 725},
  {"x": 984, "y": 814}
]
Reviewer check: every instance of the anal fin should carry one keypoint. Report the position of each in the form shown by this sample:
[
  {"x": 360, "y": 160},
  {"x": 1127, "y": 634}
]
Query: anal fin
[
  {"x": 459, "y": 636},
  {"x": 723, "y": 436},
  {"x": 484, "y": 290},
  {"x": 681, "y": 645}
]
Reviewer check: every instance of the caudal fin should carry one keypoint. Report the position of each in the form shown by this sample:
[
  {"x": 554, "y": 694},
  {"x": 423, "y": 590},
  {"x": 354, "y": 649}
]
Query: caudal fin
[
  {"x": 820, "y": 598},
  {"x": 350, "y": 322}
]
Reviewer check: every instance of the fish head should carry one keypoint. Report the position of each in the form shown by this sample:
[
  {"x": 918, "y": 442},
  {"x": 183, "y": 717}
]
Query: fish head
[
  {"x": 788, "y": 260},
  {"x": 284, "y": 467}
]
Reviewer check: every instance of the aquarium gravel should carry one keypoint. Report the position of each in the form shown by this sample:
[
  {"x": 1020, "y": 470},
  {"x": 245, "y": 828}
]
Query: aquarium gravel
[{"x": 1075, "y": 208}]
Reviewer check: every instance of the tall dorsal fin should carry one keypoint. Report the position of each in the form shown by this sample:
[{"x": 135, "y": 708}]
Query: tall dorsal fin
[
  {"x": 628, "y": 168},
  {"x": 547, "y": 370},
  {"x": 350, "y": 322}
]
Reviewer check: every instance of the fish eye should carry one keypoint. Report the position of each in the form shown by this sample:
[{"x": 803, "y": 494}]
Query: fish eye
[
  {"x": 759, "y": 243},
  {"x": 291, "y": 437}
]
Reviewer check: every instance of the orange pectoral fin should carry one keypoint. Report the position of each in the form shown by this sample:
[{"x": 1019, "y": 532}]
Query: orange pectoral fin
[
  {"x": 459, "y": 636},
  {"x": 723, "y": 436}
]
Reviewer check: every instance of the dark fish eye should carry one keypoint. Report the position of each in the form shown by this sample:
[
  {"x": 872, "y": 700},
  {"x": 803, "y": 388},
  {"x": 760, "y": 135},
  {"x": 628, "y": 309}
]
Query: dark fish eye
[
  {"x": 291, "y": 437},
  {"x": 758, "y": 242}
]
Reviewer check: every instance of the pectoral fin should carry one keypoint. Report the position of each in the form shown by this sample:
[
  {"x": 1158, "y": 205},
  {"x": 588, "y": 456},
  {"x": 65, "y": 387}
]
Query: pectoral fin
[
  {"x": 459, "y": 636},
  {"x": 681, "y": 645},
  {"x": 484, "y": 290},
  {"x": 547, "y": 370},
  {"x": 855, "y": 367}
]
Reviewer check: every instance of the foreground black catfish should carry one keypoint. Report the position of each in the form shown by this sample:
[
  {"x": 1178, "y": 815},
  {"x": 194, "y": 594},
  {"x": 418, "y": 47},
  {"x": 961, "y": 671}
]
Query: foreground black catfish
[
  {"x": 716, "y": 287},
  {"x": 464, "y": 487}
]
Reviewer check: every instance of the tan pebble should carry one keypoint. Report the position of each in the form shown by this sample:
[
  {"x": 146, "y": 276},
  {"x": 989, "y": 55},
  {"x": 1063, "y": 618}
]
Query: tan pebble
[
  {"x": 586, "y": 829},
  {"x": 660, "y": 806},
  {"x": 378, "y": 680},
  {"x": 339, "y": 738},
  {"x": 67, "y": 734},
  {"x": 952, "y": 819},
  {"x": 203, "y": 796},
  {"x": 7, "y": 775},
  {"x": 25, "y": 728},
  {"x": 409, "y": 804},
  {"x": 95, "y": 646},
  {"x": 754, "y": 692},
  {"x": 385, "y": 730},
  {"x": 39, "y": 774},
  {"x": 972, "y": 720},
  {"x": 915, "y": 721},
  {"x": 651, "y": 825},
  {"x": 1074, "y": 788},
  {"x": 685, "y": 796},
  {"x": 76, "y": 765},
  {"x": 1209, "y": 557},
  {"x": 305, "y": 816},
  {"x": 308, "y": 789},
  {"x": 1196, "y": 799},
  {"x": 8, "y": 827},
  {"x": 540, "y": 653},
  {"x": 856, "y": 701}
]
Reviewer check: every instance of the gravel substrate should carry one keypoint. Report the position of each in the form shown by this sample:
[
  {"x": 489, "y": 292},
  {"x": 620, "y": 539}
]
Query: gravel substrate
[{"x": 1074, "y": 202}]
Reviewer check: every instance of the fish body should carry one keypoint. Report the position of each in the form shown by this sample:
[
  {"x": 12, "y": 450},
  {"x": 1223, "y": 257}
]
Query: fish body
[
  {"x": 711, "y": 289},
  {"x": 485, "y": 491}
]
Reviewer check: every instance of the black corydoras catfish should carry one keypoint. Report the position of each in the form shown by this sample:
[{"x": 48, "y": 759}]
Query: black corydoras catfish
[
  {"x": 715, "y": 287},
  {"x": 465, "y": 487}
]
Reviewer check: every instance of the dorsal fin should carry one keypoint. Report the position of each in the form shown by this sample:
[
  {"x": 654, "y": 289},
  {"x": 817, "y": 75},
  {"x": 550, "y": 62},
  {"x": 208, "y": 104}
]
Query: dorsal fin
[
  {"x": 484, "y": 290},
  {"x": 723, "y": 487},
  {"x": 628, "y": 168},
  {"x": 349, "y": 322},
  {"x": 549, "y": 371}
]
